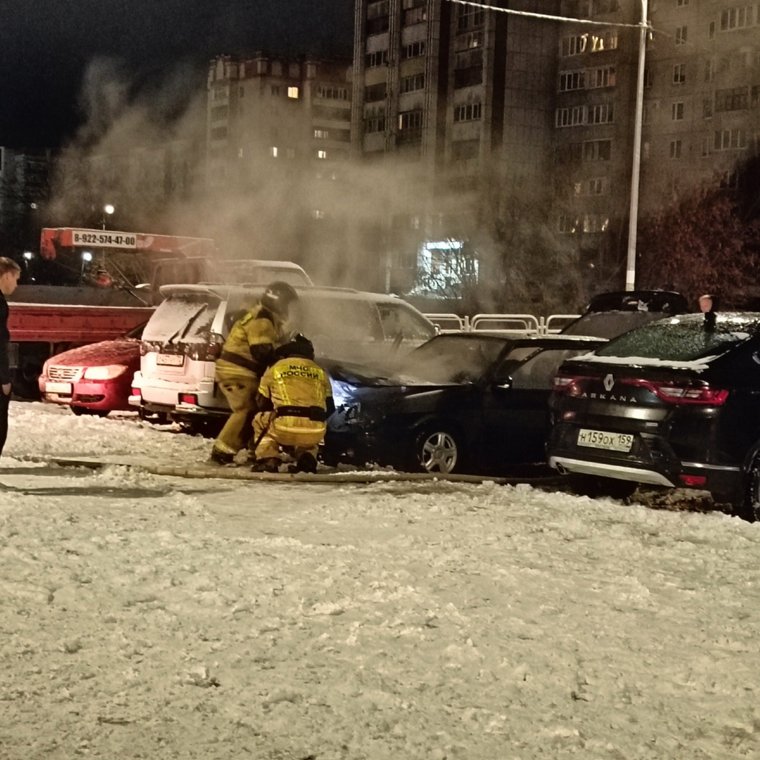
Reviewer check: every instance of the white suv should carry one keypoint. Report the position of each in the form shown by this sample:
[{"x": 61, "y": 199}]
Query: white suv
[{"x": 184, "y": 337}]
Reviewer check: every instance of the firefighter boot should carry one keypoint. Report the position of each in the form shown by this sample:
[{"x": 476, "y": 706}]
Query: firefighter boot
[
  {"x": 221, "y": 457},
  {"x": 271, "y": 464},
  {"x": 306, "y": 463}
]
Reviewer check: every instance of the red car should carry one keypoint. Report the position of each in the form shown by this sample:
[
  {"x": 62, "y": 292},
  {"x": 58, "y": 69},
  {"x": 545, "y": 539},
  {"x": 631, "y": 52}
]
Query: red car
[{"x": 93, "y": 379}]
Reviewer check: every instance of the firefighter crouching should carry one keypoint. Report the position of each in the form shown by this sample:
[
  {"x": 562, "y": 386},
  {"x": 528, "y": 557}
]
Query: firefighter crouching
[
  {"x": 247, "y": 351},
  {"x": 294, "y": 400}
]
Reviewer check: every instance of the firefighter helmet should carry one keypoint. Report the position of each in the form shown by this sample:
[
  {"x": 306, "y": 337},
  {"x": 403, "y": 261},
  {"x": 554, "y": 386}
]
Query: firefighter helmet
[
  {"x": 278, "y": 296},
  {"x": 299, "y": 345}
]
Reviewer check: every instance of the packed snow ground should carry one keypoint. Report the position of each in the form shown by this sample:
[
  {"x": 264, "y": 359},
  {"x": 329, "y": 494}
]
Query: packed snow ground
[{"x": 154, "y": 617}]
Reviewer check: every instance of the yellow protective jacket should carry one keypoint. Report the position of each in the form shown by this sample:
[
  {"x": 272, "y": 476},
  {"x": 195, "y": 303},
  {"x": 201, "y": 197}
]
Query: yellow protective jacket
[
  {"x": 249, "y": 346},
  {"x": 298, "y": 390}
]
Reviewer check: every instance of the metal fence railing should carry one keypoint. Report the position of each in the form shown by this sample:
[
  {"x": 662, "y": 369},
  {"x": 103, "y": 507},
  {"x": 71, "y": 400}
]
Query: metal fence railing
[{"x": 527, "y": 324}]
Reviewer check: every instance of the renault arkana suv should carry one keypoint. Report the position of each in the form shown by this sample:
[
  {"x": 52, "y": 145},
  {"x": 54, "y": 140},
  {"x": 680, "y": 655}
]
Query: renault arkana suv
[{"x": 674, "y": 403}]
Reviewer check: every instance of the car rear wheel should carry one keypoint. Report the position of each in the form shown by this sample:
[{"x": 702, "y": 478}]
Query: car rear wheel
[{"x": 439, "y": 449}]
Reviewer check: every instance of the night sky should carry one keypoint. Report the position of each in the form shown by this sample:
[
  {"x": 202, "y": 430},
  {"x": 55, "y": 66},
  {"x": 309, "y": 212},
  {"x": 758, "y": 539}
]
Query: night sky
[{"x": 45, "y": 46}]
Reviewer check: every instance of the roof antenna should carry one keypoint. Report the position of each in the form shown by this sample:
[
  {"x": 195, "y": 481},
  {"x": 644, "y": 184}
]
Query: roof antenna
[{"x": 707, "y": 305}]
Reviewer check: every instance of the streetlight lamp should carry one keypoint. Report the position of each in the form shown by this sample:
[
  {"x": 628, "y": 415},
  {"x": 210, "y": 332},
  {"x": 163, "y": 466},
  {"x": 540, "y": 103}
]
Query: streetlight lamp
[
  {"x": 633, "y": 211},
  {"x": 108, "y": 210}
]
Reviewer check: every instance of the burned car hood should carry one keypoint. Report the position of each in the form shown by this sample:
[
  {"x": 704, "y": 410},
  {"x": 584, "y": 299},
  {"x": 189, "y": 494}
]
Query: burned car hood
[{"x": 400, "y": 376}]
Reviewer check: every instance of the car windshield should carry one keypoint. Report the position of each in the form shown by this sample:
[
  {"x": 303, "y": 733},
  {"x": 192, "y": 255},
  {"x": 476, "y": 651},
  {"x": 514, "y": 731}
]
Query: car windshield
[
  {"x": 452, "y": 359},
  {"x": 185, "y": 318},
  {"x": 682, "y": 338},
  {"x": 326, "y": 320}
]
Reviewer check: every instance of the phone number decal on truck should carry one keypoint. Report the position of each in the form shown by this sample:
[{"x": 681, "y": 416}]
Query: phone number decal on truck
[{"x": 104, "y": 239}]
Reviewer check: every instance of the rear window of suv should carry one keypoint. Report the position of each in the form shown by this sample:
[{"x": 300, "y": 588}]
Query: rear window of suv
[
  {"x": 186, "y": 318},
  {"x": 682, "y": 338}
]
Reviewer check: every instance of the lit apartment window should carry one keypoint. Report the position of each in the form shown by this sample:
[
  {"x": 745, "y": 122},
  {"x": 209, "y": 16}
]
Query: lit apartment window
[
  {"x": 293, "y": 92},
  {"x": 574, "y": 45},
  {"x": 675, "y": 149},
  {"x": 321, "y": 154},
  {"x": 676, "y": 111},
  {"x": 595, "y": 223},
  {"x": 567, "y": 225},
  {"x": 274, "y": 151},
  {"x": 468, "y": 112},
  {"x": 321, "y": 134},
  {"x": 679, "y": 73},
  {"x": 681, "y": 33},
  {"x": 572, "y": 80},
  {"x": 410, "y": 120},
  {"x": 469, "y": 41}
]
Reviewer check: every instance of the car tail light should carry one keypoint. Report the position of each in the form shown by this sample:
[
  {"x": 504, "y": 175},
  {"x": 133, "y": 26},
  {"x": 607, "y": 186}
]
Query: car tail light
[
  {"x": 137, "y": 392},
  {"x": 206, "y": 352},
  {"x": 570, "y": 385},
  {"x": 697, "y": 393},
  {"x": 188, "y": 398},
  {"x": 694, "y": 481},
  {"x": 683, "y": 393}
]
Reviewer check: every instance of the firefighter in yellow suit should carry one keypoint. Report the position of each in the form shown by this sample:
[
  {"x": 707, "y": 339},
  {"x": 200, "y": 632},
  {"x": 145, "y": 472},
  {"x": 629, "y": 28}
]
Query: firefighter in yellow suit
[
  {"x": 295, "y": 400},
  {"x": 247, "y": 351}
]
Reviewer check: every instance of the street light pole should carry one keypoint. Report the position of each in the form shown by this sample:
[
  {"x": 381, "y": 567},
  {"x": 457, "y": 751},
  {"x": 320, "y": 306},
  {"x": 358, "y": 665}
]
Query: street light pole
[
  {"x": 633, "y": 212},
  {"x": 108, "y": 210}
]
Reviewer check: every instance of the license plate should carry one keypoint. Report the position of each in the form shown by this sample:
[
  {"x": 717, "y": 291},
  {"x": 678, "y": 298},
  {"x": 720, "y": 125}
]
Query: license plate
[
  {"x": 598, "y": 439},
  {"x": 64, "y": 389},
  {"x": 172, "y": 360}
]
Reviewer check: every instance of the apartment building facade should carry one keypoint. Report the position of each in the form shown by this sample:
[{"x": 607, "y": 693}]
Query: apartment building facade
[
  {"x": 263, "y": 107},
  {"x": 280, "y": 128},
  {"x": 463, "y": 94},
  {"x": 701, "y": 114},
  {"x": 471, "y": 92}
]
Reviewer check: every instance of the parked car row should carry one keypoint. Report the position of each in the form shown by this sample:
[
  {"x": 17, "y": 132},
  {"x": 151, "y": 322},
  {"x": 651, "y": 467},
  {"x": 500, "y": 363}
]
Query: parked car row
[{"x": 674, "y": 402}]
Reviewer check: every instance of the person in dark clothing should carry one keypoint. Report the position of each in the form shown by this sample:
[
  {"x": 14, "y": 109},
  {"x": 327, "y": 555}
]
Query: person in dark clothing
[{"x": 9, "y": 274}]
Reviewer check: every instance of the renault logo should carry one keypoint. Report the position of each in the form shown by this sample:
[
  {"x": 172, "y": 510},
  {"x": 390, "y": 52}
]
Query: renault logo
[{"x": 609, "y": 381}]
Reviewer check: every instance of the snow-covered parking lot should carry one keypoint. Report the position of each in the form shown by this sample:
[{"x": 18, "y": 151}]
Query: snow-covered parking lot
[{"x": 165, "y": 617}]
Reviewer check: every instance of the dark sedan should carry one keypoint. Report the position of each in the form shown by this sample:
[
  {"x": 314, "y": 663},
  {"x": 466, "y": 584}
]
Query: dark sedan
[{"x": 460, "y": 403}]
